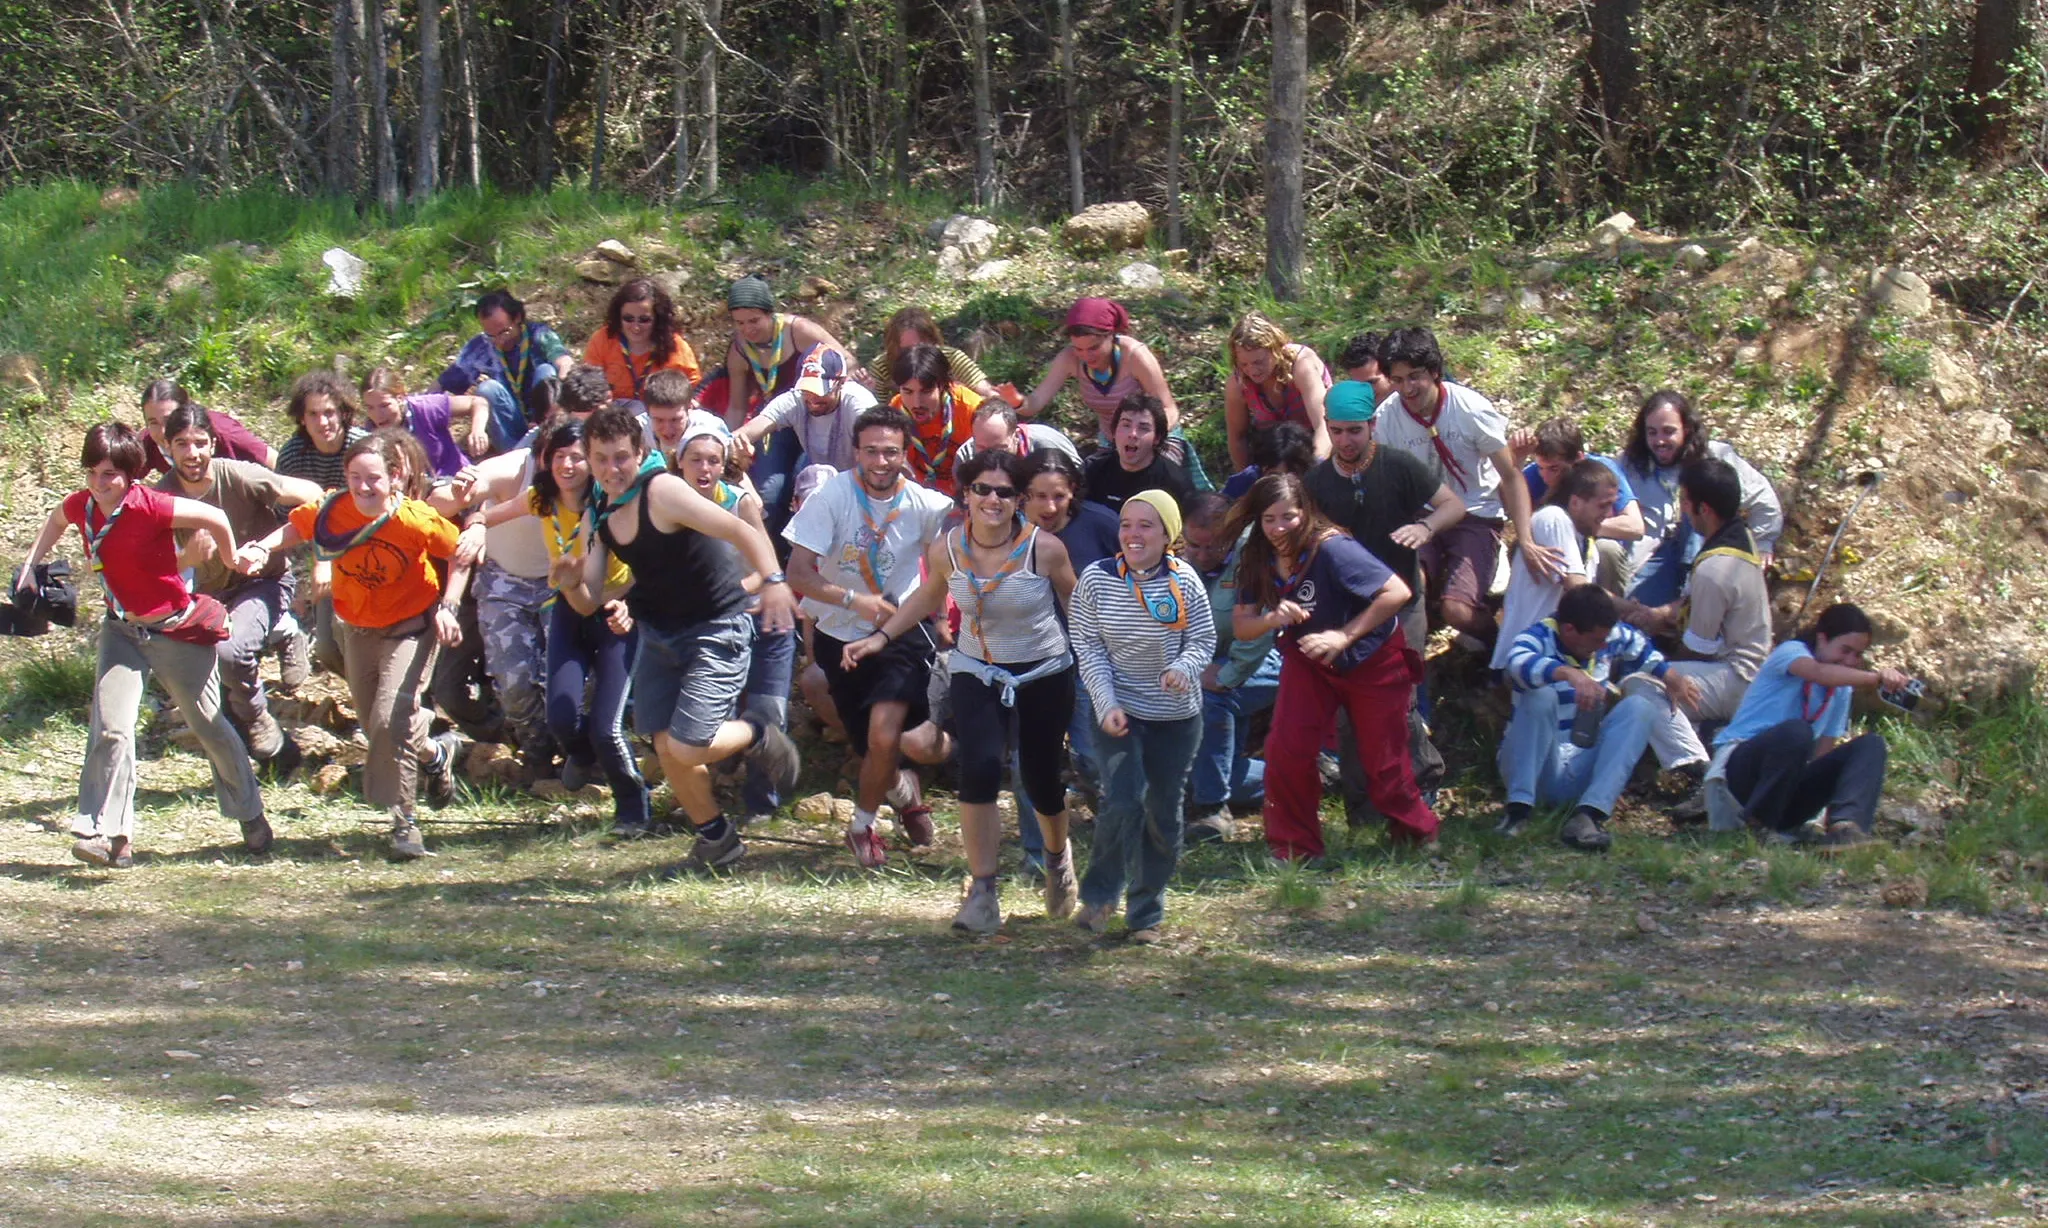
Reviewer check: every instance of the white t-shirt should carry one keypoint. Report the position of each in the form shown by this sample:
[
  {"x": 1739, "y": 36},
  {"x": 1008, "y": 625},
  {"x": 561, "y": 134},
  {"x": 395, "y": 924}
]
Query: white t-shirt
[
  {"x": 827, "y": 439},
  {"x": 1037, "y": 438},
  {"x": 1472, "y": 427},
  {"x": 1529, "y": 600},
  {"x": 694, "y": 421},
  {"x": 831, "y": 525}
]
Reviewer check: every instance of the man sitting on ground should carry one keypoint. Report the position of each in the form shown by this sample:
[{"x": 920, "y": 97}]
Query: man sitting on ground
[
  {"x": 1562, "y": 670},
  {"x": 1579, "y": 504},
  {"x": 504, "y": 361},
  {"x": 1135, "y": 463},
  {"x": 996, "y": 425},
  {"x": 1555, "y": 446}
]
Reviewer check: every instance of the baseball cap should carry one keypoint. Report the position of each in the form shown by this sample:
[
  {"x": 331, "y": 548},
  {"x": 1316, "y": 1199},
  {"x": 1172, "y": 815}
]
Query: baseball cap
[{"x": 823, "y": 368}]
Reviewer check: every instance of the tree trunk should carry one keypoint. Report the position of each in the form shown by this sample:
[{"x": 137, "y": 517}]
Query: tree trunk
[
  {"x": 680, "y": 66},
  {"x": 984, "y": 109},
  {"x": 604, "y": 94},
  {"x": 1077, "y": 191},
  {"x": 1998, "y": 38},
  {"x": 344, "y": 153},
  {"x": 465, "y": 69},
  {"x": 426, "y": 152},
  {"x": 551, "y": 91},
  {"x": 1284, "y": 148},
  {"x": 378, "y": 69},
  {"x": 899, "y": 74},
  {"x": 708, "y": 69},
  {"x": 828, "y": 87},
  {"x": 1614, "y": 78},
  {"x": 1175, "y": 106}
]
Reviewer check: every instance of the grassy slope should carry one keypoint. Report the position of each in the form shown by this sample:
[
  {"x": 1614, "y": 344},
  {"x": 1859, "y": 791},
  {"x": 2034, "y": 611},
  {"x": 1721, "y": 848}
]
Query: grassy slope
[{"x": 1500, "y": 1033}]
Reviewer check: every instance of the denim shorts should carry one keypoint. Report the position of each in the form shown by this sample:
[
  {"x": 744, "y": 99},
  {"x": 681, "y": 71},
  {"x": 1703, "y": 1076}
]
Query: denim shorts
[{"x": 688, "y": 681}]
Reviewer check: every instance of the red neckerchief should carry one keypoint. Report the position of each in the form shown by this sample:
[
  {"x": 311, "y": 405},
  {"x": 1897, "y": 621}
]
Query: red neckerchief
[{"x": 1443, "y": 450}]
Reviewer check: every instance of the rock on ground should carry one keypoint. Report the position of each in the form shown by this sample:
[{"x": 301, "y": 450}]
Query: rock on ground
[
  {"x": 1141, "y": 276},
  {"x": 975, "y": 237},
  {"x": 991, "y": 270},
  {"x": 1110, "y": 227},
  {"x": 617, "y": 253},
  {"x": 1901, "y": 292}
]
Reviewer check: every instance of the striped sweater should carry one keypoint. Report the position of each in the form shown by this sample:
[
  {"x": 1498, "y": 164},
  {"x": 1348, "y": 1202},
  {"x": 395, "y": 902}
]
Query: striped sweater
[
  {"x": 1537, "y": 655},
  {"x": 1122, "y": 649}
]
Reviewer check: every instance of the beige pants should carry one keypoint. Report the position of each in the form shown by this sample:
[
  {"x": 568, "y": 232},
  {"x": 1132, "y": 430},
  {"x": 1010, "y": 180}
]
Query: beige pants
[
  {"x": 386, "y": 669},
  {"x": 1613, "y": 571},
  {"x": 1676, "y": 739}
]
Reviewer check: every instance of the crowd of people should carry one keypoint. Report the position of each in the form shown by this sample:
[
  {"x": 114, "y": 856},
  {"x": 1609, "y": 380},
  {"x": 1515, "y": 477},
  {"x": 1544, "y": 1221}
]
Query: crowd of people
[{"x": 539, "y": 546}]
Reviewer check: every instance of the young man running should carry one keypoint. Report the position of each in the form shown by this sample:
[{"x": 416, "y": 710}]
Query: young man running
[
  {"x": 854, "y": 555},
  {"x": 689, "y": 557}
]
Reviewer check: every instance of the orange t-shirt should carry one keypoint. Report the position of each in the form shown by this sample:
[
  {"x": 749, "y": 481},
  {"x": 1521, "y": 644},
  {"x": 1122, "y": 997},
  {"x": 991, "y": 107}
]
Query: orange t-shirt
[
  {"x": 937, "y": 442},
  {"x": 388, "y": 578},
  {"x": 628, "y": 375}
]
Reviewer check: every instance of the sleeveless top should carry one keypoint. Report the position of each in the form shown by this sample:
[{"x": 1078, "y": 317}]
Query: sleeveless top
[
  {"x": 1012, "y": 617},
  {"x": 680, "y": 579},
  {"x": 1292, "y": 408},
  {"x": 1103, "y": 398},
  {"x": 774, "y": 365}
]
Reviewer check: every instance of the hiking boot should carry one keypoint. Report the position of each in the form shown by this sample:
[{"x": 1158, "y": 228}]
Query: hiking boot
[
  {"x": 294, "y": 661},
  {"x": 1149, "y": 936},
  {"x": 280, "y": 766},
  {"x": 1061, "y": 888},
  {"x": 256, "y": 835},
  {"x": 440, "y": 778},
  {"x": 1584, "y": 832},
  {"x": 1693, "y": 809},
  {"x": 711, "y": 854},
  {"x": 777, "y": 758},
  {"x": 406, "y": 844},
  {"x": 981, "y": 912},
  {"x": 93, "y": 850},
  {"x": 868, "y": 847},
  {"x": 1845, "y": 834},
  {"x": 1093, "y": 917},
  {"x": 1724, "y": 813},
  {"x": 266, "y": 738},
  {"x": 1213, "y": 827}
]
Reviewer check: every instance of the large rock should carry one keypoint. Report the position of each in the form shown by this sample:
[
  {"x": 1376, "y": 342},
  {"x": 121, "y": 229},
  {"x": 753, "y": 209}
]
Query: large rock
[
  {"x": 1611, "y": 232},
  {"x": 1955, "y": 385},
  {"x": 952, "y": 262},
  {"x": 1693, "y": 258},
  {"x": 975, "y": 237},
  {"x": 345, "y": 272},
  {"x": 991, "y": 270},
  {"x": 1990, "y": 432},
  {"x": 602, "y": 272},
  {"x": 2033, "y": 483},
  {"x": 1901, "y": 292},
  {"x": 1110, "y": 227},
  {"x": 1141, "y": 276},
  {"x": 817, "y": 808},
  {"x": 193, "y": 281},
  {"x": 672, "y": 281},
  {"x": 617, "y": 253}
]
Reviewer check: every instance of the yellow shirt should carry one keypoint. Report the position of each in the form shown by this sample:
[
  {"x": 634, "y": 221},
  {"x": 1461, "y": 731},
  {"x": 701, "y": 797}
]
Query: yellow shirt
[{"x": 561, "y": 530}]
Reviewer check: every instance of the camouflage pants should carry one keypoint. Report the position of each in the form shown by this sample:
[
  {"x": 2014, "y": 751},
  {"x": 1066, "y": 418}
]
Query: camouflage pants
[{"x": 509, "y": 615}]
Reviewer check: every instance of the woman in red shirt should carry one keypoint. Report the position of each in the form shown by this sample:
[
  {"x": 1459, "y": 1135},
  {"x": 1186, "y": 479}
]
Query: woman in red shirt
[{"x": 126, "y": 529}]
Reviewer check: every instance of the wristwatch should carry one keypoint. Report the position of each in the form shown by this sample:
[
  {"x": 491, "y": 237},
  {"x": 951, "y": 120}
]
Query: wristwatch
[
  {"x": 846, "y": 598},
  {"x": 774, "y": 577}
]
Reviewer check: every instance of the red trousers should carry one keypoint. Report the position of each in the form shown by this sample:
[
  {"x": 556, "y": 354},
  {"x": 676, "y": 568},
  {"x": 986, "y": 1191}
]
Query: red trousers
[{"x": 1376, "y": 693}]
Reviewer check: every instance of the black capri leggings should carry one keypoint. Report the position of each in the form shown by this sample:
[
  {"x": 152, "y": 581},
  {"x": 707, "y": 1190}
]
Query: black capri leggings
[{"x": 984, "y": 727}]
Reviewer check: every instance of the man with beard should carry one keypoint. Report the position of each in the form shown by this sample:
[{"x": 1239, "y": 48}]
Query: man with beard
[
  {"x": 252, "y": 497},
  {"x": 855, "y": 549},
  {"x": 1135, "y": 462},
  {"x": 821, "y": 409}
]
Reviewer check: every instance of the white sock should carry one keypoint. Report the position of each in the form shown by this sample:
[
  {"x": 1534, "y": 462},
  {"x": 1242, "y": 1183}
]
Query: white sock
[{"x": 863, "y": 819}]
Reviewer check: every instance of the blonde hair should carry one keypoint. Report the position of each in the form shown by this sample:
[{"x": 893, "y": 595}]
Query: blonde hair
[{"x": 1256, "y": 332}]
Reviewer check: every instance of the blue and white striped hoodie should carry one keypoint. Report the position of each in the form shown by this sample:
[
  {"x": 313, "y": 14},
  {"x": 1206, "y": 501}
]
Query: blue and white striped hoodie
[{"x": 1537, "y": 655}]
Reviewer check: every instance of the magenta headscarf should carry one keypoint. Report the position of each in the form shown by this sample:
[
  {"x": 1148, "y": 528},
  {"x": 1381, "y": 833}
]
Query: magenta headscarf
[{"x": 1105, "y": 314}]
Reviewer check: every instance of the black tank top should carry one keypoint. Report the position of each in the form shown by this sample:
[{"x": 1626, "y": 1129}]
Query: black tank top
[{"x": 680, "y": 579}]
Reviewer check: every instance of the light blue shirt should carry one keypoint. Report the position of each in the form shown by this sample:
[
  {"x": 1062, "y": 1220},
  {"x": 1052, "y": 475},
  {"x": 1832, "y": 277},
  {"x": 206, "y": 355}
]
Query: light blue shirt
[{"x": 1776, "y": 696}]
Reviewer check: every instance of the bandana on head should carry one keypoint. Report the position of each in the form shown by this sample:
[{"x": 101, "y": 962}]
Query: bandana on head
[
  {"x": 750, "y": 291},
  {"x": 1350, "y": 401},
  {"x": 1102, "y": 313}
]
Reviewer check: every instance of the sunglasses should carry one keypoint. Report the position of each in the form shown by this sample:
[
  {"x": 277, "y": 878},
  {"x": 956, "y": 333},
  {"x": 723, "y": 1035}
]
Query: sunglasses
[
  {"x": 626, "y": 319},
  {"x": 986, "y": 491}
]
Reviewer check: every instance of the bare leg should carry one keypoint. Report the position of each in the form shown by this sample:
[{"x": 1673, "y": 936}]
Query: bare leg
[
  {"x": 1475, "y": 621},
  {"x": 927, "y": 744},
  {"x": 885, "y": 743},
  {"x": 687, "y": 767}
]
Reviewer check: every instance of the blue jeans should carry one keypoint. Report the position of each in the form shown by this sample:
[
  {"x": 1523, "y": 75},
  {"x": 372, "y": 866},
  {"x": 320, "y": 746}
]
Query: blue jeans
[
  {"x": 1081, "y": 738},
  {"x": 1663, "y": 574},
  {"x": 1224, "y": 775},
  {"x": 774, "y": 474},
  {"x": 1540, "y": 765},
  {"x": 508, "y": 414},
  {"x": 767, "y": 700},
  {"x": 1138, "y": 828},
  {"x": 584, "y": 649}
]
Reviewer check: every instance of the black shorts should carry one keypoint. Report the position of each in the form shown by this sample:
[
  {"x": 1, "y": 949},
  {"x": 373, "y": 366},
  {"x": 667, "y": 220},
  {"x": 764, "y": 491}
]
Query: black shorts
[{"x": 897, "y": 674}]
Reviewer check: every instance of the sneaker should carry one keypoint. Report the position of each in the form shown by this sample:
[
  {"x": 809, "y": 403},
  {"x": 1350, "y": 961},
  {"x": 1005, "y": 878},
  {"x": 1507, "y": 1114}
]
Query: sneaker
[
  {"x": 93, "y": 850},
  {"x": 1584, "y": 832},
  {"x": 1093, "y": 917},
  {"x": 294, "y": 661},
  {"x": 912, "y": 815},
  {"x": 777, "y": 758},
  {"x": 1845, "y": 834},
  {"x": 266, "y": 738},
  {"x": 868, "y": 847},
  {"x": 574, "y": 775},
  {"x": 1062, "y": 891},
  {"x": 709, "y": 854},
  {"x": 1213, "y": 827},
  {"x": 256, "y": 835},
  {"x": 406, "y": 844},
  {"x": 441, "y": 789},
  {"x": 623, "y": 832},
  {"x": 1691, "y": 810},
  {"x": 1512, "y": 821},
  {"x": 980, "y": 913},
  {"x": 1149, "y": 936}
]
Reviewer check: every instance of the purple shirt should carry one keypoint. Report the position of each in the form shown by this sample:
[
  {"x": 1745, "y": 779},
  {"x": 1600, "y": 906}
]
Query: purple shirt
[{"x": 428, "y": 416}]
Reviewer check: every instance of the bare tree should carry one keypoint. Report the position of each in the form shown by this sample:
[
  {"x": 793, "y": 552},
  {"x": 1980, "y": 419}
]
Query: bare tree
[
  {"x": 1284, "y": 223},
  {"x": 899, "y": 77},
  {"x": 828, "y": 87},
  {"x": 708, "y": 70},
  {"x": 1998, "y": 41},
  {"x": 551, "y": 90},
  {"x": 680, "y": 68},
  {"x": 377, "y": 67},
  {"x": 344, "y": 149},
  {"x": 1611, "y": 85},
  {"x": 426, "y": 153},
  {"x": 1077, "y": 191},
  {"x": 604, "y": 91},
  {"x": 1175, "y": 108},
  {"x": 984, "y": 108},
  {"x": 465, "y": 68}
]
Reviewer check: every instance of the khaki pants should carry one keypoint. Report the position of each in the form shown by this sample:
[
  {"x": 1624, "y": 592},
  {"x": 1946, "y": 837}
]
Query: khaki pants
[
  {"x": 387, "y": 667},
  {"x": 1676, "y": 738},
  {"x": 1614, "y": 570},
  {"x": 128, "y": 655}
]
